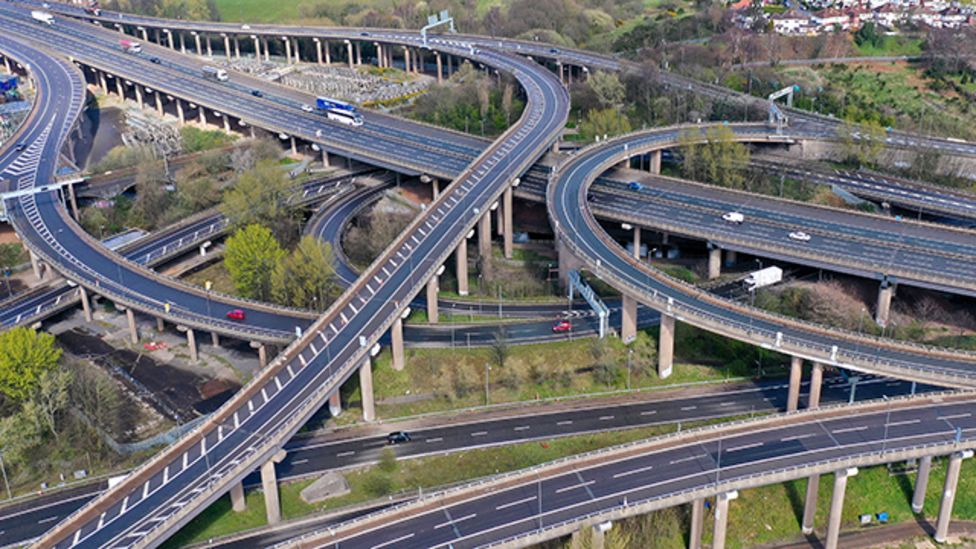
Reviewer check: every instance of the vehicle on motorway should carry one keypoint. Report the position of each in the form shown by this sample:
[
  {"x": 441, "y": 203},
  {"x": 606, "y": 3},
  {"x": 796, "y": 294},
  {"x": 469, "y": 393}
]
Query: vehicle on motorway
[
  {"x": 763, "y": 277},
  {"x": 562, "y": 326},
  {"x": 21, "y": 146},
  {"x": 130, "y": 46},
  {"x": 93, "y": 10},
  {"x": 257, "y": 93},
  {"x": 42, "y": 16},
  {"x": 800, "y": 236},
  {"x": 734, "y": 217},
  {"x": 245, "y": 27},
  {"x": 634, "y": 186},
  {"x": 214, "y": 73},
  {"x": 553, "y": 50},
  {"x": 364, "y": 34},
  {"x": 308, "y": 108},
  {"x": 236, "y": 314},
  {"x": 339, "y": 111},
  {"x": 398, "y": 437},
  {"x": 155, "y": 60}
]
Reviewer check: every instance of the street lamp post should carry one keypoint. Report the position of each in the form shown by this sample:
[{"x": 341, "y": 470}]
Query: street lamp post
[
  {"x": 208, "y": 284},
  {"x": 487, "y": 394},
  {"x": 630, "y": 356},
  {"x": 6, "y": 483}
]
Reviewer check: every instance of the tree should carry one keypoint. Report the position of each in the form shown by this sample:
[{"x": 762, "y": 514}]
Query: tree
[
  {"x": 25, "y": 355},
  {"x": 251, "y": 256},
  {"x": 608, "y": 88},
  {"x": 862, "y": 142},
  {"x": 306, "y": 277},
  {"x": 152, "y": 198},
  {"x": 261, "y": 197},
  {"x": 10, "y": 257},
  {"x": 49, "y": 400},
  {"x": 604, "y": 122},
  {"x": 500, "y": 348}
]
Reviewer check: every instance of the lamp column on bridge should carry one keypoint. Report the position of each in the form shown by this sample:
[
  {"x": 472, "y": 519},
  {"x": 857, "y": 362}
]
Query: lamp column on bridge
[
  {"x": 721, "y": 518},
  {"x": 949, "y": 494},
  {"x": 813, "y": 482}
]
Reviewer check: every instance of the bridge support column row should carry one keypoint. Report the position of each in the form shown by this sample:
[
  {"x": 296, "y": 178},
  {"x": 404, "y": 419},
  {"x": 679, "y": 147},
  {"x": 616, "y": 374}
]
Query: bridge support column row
[
  {"x": 366, "y": 390},
  {"x": 721, "y": 518},
  {"x": 269, "y": 484},
  {"x": 433, "y": 288},
  {"x": 461, "y": 262},
  {"x": 921, "y": 483},
  {"x": 949, "y": 494},
  {"x": 837, "y": 506},
  {"x": 628, "y": 328},
  {"x": 885, "y": 293},
  {"x": 665, "y": 346}
]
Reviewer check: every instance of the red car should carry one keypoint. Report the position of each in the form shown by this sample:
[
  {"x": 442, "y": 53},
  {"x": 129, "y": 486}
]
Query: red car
[
  {"x": 562, "y": 326},
  {"x": 236, "y": 314}
]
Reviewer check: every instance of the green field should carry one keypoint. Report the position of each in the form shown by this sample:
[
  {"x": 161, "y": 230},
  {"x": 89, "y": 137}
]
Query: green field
[{"x": 259, "y": 11}]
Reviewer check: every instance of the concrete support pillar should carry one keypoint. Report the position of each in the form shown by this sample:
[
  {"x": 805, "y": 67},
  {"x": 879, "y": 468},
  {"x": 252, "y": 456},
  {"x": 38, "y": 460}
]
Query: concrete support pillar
[
  {"x": 226, "y": 122},
  {"x": 655, "y": 167},
  {"x": 500, "y": 219},
  {"x": 182, "y": 43},
  {"x": 237, "y": 47},
  {"x": 298, "y": 50},
  {"x": 396, "y": 342},
  {"x": 262, "y": 354},
  {"x": 461, "y": 261},
  {"x": 202, "y": 116},
  {"x": 366, "y": 390},
  {"x": 796, "y": 377},
  {"x": 294, "y": 147},
  {"x": 597, "y": 538},
  {"x": 85, "y": 303},
  {"x": 406, "y": 59},
  {"x": 484, "y": 236},
  {"x": 237, "y": 501},
  {"x": 885, "y": 293},
  {"x": 628, "y": 327},
  {"x": 215, "y": 339},
  {"x": 349, "y": 53},
  {"x": 102, "y": 82},
  {"x": 335, "y": 404},
  {"x": 816, "y": 384},
  {"x": 714, "y": 261},
  {"x": 665, "y": 352},
  {"x": 721, "y": 518},
  {"x": 118, "y": 88},
  {"x": 169, "y": 36},
  {"x": 269, "y": 484},
  {"x": 921, "y": 483},
  {"x": 318, "y": 49},
  {"x": 138, "y": 89},
  {"x": 433, "y": 316},
  {"x": 440, "y": 67},
  {"x": 36, "y": 266},
  {"x": 949, "y": 494},
  {"x": 130, "y": 317},
  {"x": 837, "y": 506},
  {"x": 380, "y": 59},
  {"x": 179, "y": 110},
  {"x": 325, "y": 158},
  {"x": 359, "y": 54},
  {"x": 697, "y": 524},
  {"x": 159, "y": 102},
  {"x": 810, "y": 504},
  {"x": 328, "y": 53},
  {"x": 507, "y": 225},
  {"x": 257, "y": 48},
  {"x": 191, "y": 342},
  {"x": 196, "y": 38},
  {"x": 436, "y": 186},
  {"x": 267, "y": 50},
  {"x": 227, "y": 46},
  {"x": 287, "y": 42},
  {"x": 637, "y": 242},
  {"x": 73, "y": 199},
  {"x": 160, "y": 325}
]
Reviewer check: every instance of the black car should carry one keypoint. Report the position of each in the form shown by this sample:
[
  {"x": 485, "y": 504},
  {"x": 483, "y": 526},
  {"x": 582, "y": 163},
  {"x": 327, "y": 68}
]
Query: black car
[
  {"x": 257, "y": 93},
  {"x": 21, "y": 146},
  {"x": 364, "y": 34},
  {"x": 154, "y": 60},
  {"x": 553, "y": 50},
  {"x": 398, "y": 437}
]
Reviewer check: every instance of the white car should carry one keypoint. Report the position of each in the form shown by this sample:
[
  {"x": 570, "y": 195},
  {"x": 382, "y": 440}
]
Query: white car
[
  {"x": 734, "y": 217},
  {"x": 318, "y": 133},
  {"x": 800, "y": 235},
  {"x": 307, "y": 108},
  {"x": 245, "y": 27}
]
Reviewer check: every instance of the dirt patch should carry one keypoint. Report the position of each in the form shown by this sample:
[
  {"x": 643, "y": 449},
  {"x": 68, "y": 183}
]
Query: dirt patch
[{"x": 172, "y": 392}]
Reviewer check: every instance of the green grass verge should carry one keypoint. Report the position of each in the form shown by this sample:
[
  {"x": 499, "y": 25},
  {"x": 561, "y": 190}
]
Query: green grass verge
[{"x": 891, "y": 46}]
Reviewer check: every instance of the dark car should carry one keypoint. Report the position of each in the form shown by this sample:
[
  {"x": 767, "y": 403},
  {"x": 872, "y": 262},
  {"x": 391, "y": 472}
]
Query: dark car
[
  {"x": 236, "y": 314},
  {"x": 553, "y": 50},
  {"x": 155, "y": 60},
  {"x": 364, "y": 34},
  {"x": 257, "y": 93},
  {"x": 21, "y": 146},
  {"x": 398, "y": 437},
  {"x": 634, "y": 186}
]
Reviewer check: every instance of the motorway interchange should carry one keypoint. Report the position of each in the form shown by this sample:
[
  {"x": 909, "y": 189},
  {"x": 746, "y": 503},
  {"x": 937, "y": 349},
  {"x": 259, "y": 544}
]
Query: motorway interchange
[{"x": 248, "y": 432}]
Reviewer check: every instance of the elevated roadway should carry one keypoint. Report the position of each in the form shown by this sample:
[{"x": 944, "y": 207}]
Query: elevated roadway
[{"x": 248, "y": 431}]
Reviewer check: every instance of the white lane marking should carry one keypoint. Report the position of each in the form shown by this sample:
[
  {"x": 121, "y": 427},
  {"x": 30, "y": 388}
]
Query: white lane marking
[
  {"x": 521, "y": 427},
  {"x": 455, "y": 521},
  {"x": 796, "y": 437},
  {"x": 299, "y": 461},
  {"x": 726, "y": 404},
  {"x": 649, "y": 413},
  {"x": 906, "y": 422},
  {"x": 567, "y": 422},
  {"x": 346, "y": 454},
  {"x": 687, "y": 408},
  {"x": 514, "y": 503},
  {"x": 955, "y": 416},
  {"x": 479, "y": 434},
  {"x": 850, "y": 429},
  {"x": 682, "y": 460},
  {"x": 435, "y": 439},
  {"x": 392, "y": 541},
  {"x": 48, "y": 519},
  {"x": 633, "y": 471},
  {"x": 745, "y": 447},
  {"x": 575, "y": 486},
  {"x": 606, "y": 418}
]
